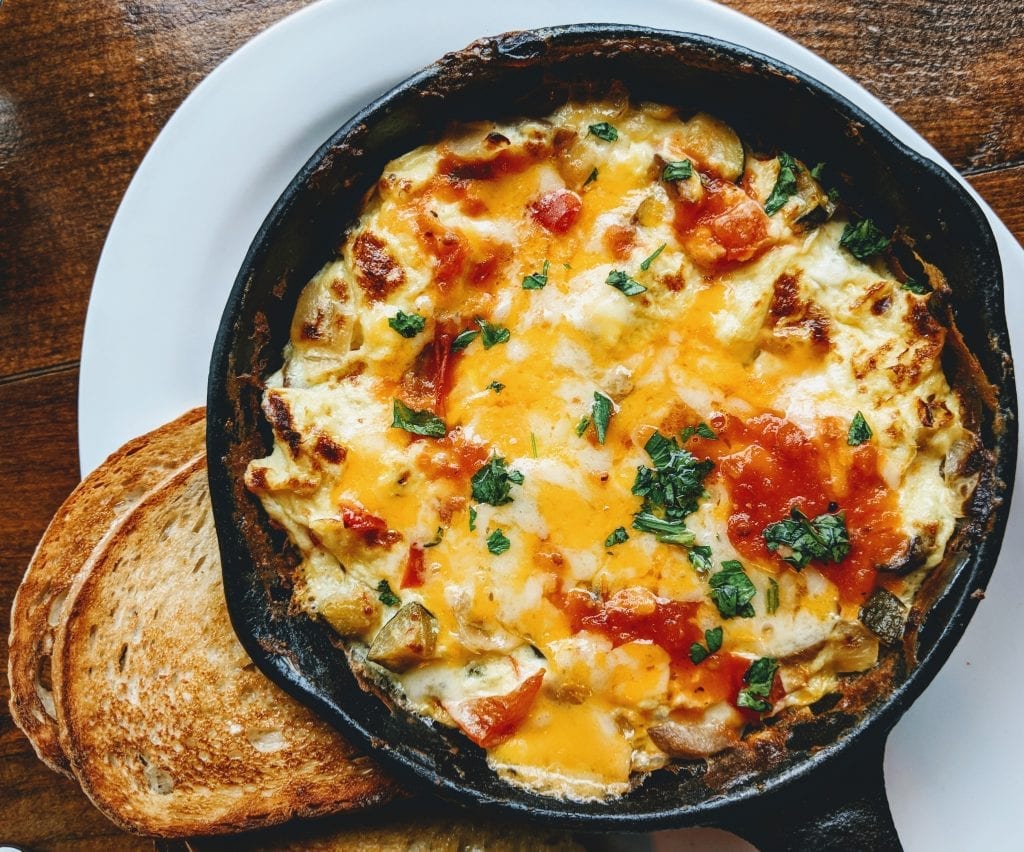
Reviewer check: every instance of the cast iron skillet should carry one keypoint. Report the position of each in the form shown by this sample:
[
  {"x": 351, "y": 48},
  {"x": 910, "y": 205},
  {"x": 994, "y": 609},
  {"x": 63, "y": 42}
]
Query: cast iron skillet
[{"x": 822, "y": 788}]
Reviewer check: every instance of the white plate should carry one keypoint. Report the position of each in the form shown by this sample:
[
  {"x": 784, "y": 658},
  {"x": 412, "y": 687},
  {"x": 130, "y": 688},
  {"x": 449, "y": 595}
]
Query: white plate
[{"x": 955, "y": 763}]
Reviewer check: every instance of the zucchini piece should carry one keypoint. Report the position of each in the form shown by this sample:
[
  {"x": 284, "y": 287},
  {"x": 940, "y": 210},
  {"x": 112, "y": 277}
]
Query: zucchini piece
[
  {"x": 407, "y": 639},
  {"x": 884, "y": 615},
  {"x": 714, "y": 145}
]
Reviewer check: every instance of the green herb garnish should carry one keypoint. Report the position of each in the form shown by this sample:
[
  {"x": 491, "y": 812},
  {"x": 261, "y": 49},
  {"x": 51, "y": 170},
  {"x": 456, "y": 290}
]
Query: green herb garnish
[
  {"x": 732, "y": 591},
  {"x": 492, "y": 335},
  {"x": 646, "y": 263},
  {"x": 493, "y": 482},
  {"x": 713, "y": 638},
  {"x": 863, "y": 240},
  {"x": 771, "y": 597},
  {"x": 533, "y": 444},
  {"x": 385, "y": 595},
  {"x": 497, "y": 387},
  {"x": 759, "y": 679},
  {"x": 915, "y": 286},
  {"x": 702, "y": 429},
  {"x": 624, "y": 284},
  {"x": 463, "y": 339},
  {"x": 581, "y": 427},
  {"x": 591, "y": 177},
  {"x": 601, "y": 413},
  {"x": 618, "y": 536},
  {"x": 538, "y": 280},
  {"x": 667, "y": 532},
  {"x": 407, "y": 325},
  {"x": 498, "y": 543},
  {"x": 418, "y": 422},
  {"x": 438, "y": 538},
  {"x": 859, "y": 432},
  {"x": 801, "y": 539},
  {"x": 677, "y": 170},
  {"x": 700, "y": 558},
  {"x": 603, "y": 130},
  {"x": 785, "y": 184},
  {"x": 817, "y": 171},
  {"x": 675, "y": 483},
  {"x": 472, "y": 519}
]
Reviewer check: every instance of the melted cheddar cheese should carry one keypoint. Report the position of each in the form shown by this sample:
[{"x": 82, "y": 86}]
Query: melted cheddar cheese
[{"x": 584, "y": 289}]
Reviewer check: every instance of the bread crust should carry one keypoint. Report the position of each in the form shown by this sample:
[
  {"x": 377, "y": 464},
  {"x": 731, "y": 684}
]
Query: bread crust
[
  {"x": 169, "y": 727},
  {"x": 88, "y": 513}
]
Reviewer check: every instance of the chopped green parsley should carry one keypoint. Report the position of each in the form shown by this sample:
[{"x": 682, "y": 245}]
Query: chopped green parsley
[
  {"x": 407, "y": 325},
  {"x": 624, "y": 284},
  {"x": 758, "y": 679},
  {"x": 492, "y": 335},
  {"x": 603, "y": 130},
  {"x": 617, "y": 536},
  {"x": 498, "y": 543},
  {"x": 646, "y": 263},
  {"x": 493, "y": 482},
  {"x": 785, "y": 184},
  {"x": 463, "y": 339},
  {"x": 713, "y": 638},
  {"x": 700, "y": 558},
  {"x": 701, "y": 429},
  {"x": 732, "y": 591},
  {"x": 601, "y": 413},
  {"x": 798, "y": 539},
  {"x": 916, "y": 287},
  {"x": 677, "y": 170},
  {"x": 771, "y": 597},
  {"x": 859, "y": 432},
  {"x": 538, "y": 280},
  {"x": 417, "y": 422},
  {"x": 386, "y": 596},
  {"x": 863, "y": 240}
]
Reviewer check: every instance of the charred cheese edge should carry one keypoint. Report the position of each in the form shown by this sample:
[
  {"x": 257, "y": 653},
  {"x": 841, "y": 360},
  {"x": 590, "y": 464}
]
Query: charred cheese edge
[{"x": 567, "y": 654}]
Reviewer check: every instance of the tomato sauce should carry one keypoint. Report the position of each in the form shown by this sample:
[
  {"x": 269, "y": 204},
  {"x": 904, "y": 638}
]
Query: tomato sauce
[
  {"x": 670, "y": 624},
  {"x": 769, "y": 466}
]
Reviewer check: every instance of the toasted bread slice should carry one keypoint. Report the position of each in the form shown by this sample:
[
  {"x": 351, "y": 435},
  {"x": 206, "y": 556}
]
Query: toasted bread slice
[
  {"x": 84, "y": 518},
  {"x": 169, "y": 727}
]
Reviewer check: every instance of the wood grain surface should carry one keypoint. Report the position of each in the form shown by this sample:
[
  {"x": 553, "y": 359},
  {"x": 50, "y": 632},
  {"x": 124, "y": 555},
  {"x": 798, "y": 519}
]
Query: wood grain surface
[{"x": 86, "y": 86}]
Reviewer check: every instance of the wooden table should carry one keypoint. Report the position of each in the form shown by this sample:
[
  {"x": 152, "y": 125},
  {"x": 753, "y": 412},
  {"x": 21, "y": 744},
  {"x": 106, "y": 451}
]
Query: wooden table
[{"x": 86, "y": 86}]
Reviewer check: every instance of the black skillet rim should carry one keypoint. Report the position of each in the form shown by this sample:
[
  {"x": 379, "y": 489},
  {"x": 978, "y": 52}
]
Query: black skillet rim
[{"x": 970, "y": 576}]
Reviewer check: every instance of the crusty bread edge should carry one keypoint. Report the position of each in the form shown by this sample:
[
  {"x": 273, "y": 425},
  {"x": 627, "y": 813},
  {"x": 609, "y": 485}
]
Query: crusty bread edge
[
  {"x": 27, "y": 636},
  {"x": 78, "y": 602}
]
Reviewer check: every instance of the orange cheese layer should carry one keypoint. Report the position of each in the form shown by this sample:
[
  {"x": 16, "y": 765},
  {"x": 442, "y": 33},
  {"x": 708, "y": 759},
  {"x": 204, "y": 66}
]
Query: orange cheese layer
[{"x": 564, "y": 654}]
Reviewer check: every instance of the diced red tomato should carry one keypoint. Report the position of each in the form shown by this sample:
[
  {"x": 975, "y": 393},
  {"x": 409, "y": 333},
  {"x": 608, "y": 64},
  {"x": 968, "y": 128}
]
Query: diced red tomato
[
  {"x": 670, "y": 624},
  {"x": 726, "y": 226},
  {"x": 557, "y": 211},
  {"x": 491, "y": 720},
  {"x": 427, "y": 383},
  {"x": 356, "y": 518},
  {"x": 414, "y": 568}
]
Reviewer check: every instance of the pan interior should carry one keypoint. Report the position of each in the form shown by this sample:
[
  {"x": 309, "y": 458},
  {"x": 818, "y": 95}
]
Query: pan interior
[{"x": 530, "y": 74}]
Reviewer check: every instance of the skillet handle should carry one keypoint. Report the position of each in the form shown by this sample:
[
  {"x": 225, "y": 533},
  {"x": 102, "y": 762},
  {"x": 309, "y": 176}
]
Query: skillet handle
[{"x": 840, "y": 805}]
